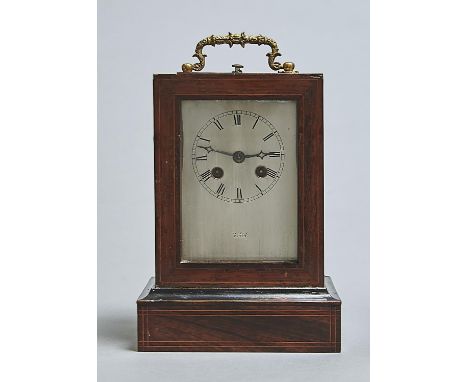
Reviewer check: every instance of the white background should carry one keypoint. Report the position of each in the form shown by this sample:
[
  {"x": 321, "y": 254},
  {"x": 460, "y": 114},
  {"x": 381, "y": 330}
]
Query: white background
[
  {"x": 136, "y": 40},
  {"x": 48, "y": 246}
]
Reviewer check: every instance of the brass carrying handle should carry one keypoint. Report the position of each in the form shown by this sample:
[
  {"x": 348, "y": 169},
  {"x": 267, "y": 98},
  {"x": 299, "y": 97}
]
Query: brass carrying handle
[{"x": 238, "y": 39}]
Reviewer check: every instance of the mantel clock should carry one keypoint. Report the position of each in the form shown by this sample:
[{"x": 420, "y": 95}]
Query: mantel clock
[{"x": 239, "y": 212}]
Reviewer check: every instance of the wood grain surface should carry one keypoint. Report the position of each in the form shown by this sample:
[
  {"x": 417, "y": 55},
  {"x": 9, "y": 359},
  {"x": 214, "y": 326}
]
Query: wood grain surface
[
  {"x": 307, "y": 91},
  {"x": 307, "y": 323}
]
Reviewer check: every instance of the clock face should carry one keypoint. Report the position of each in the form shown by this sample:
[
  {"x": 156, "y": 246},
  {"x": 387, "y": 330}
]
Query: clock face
[
  {"x": 238, "y": 181},
  {"x": 238, "y": 156}
]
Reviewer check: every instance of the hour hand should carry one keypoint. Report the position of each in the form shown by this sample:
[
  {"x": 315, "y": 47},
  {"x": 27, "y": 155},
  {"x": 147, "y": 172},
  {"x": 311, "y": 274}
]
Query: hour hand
[
  {"x": 208, "y": 149},
  {"x": 221, "y": 152}
]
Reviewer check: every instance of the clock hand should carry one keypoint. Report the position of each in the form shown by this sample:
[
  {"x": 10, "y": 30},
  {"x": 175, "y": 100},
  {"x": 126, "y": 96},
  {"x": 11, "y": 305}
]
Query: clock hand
[
  {"x": 223, "y": 152},
  {"x": 207, "y": 148},
  {"x": 239, "y": 156},
  {"x": 210, "y": 149},
  {"x": 262, "y": 155}
]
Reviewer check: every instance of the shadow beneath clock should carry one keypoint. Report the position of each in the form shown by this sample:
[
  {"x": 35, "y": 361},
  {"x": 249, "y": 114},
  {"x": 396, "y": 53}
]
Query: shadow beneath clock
[{"x": 120, "y": 332}]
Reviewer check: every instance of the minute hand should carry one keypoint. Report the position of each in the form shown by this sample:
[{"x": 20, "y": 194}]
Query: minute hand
[{"x": 261, "y": 154}]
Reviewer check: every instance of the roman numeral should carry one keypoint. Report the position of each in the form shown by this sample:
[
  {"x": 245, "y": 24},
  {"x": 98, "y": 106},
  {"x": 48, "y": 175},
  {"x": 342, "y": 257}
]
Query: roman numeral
[
  {"x": 239, "y": 193},
  {"x": 203, "y": 157},
  {"x": 259, "y": 189},
  {"x": 274, "y": 154},
  {"x": 207, "y": 140},
  {"x": 206, "y": 175},
  {"x": 268, "y": 136},
  {"x": 218, "y": 124},
  {"x": 253, "y": 127},
  {"x": 221, "y": 188},
  {"x": 237, "y": 119},
  {"x": 271, "y": 173}
]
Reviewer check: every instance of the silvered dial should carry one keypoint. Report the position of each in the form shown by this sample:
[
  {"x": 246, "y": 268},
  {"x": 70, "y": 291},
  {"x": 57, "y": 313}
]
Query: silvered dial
[{"x": 238, "y": 156}]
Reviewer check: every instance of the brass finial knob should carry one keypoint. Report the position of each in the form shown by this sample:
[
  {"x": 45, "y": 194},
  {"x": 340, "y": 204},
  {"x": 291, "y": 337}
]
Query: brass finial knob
[
  {"x": 187, "y": 67},
  {"x": 237, "y": 68},
  {"x": 288, "y": 67}
]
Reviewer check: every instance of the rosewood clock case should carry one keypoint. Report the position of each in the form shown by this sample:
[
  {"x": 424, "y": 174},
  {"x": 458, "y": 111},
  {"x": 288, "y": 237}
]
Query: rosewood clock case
[
  {"x": 227, "y": 306},
  {"x": 306, "y": 90}
]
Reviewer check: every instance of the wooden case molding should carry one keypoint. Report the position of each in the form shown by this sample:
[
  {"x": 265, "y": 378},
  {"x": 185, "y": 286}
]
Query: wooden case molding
[{"x": 245, "y": 320}]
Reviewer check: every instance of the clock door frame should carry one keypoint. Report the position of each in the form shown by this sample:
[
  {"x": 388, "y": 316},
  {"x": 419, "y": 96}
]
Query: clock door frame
[{"x": 307, "y": 91}]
